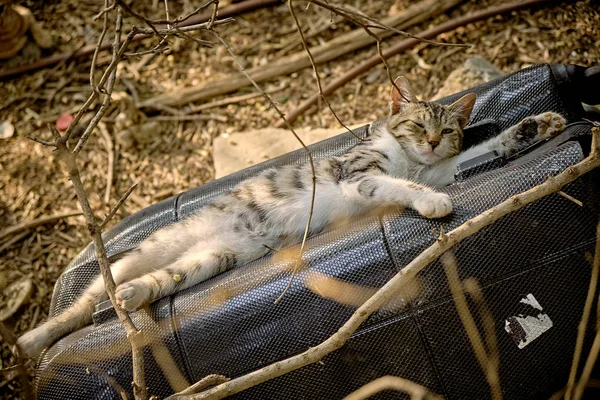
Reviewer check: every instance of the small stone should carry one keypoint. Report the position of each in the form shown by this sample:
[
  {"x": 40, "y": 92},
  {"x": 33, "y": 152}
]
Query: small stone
[
  {"x": 373, "y": 76},
  {"x": 7, "y": 130}
]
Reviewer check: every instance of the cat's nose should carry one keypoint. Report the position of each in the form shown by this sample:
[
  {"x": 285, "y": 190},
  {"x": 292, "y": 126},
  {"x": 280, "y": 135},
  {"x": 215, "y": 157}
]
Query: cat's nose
[{"x": 433, "y": 143}]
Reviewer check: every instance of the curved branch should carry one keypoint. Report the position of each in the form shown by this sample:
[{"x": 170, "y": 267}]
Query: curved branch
[{"x": 416, "y": 391}]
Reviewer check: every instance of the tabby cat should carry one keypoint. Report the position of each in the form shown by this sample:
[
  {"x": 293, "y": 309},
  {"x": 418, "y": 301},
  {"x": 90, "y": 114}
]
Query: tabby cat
[{"x": 418, "y": 148}]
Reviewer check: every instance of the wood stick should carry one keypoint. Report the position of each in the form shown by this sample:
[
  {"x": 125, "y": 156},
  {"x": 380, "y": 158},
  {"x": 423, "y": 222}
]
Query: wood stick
[
  {"x": 593, "y": 354},
  {"x": 37, "y": 222},
  {"x": 477, "y": 344},
  {"x": 587, "y": 309},
  {"x": 389, "y": 290},
  {"x": 230, "y": 100},
  {"x": 398, "y": 384},
  {"x": 405, "y": 44},
  {"x": 110, "y": 150},
  {"x": 331, "y": 50}
]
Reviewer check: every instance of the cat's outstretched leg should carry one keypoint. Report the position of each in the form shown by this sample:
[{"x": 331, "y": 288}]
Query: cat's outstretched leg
[
  {"x": 138, "y": 262},
  {"x": 385, "y": 190},
  {"x": 198, "y": 264}
]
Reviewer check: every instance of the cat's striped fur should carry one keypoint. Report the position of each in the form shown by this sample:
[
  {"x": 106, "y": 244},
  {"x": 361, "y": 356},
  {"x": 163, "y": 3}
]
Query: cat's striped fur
[{"x": 417, "y": 149}]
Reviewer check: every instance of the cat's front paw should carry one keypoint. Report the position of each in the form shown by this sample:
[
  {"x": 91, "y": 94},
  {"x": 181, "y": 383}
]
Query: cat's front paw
[
  {"x": 433, "y": 205},
  {"x": 549, "y": 124},
  {"x": 131, "y": 295},
  {"x": 539, "y": 127}
]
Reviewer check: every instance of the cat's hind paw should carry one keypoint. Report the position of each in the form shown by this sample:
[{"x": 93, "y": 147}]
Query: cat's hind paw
[
  {"x": 33, "y": 342},
  {"x": 433, "y": 205},
  {"x": 131, "y": 295}
]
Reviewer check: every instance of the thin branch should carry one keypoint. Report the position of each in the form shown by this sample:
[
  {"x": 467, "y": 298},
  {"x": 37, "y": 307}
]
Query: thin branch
[
  {"x": 229, "y": 11},
  {"x": 97, "y": 50},
  {"x": 209, "y": 380},
  {"x": 167, "y": 12},
  {"x": 37, "y": 222},
  {"x": 314, "y": 67},
  {"x": 593, "y": 354},
  {"x": 122, "y": 200},
  {"x": 489, "y": 368},
  {"x": 571, "y": 198},
  {"x": 110, "y": 150},
  {"x": 416, "y": 391},
  {"x": 356, "y": 18},
  {"x": 473, "y": 289},
  {"x": 213, "y": 17},
  {"x": 584, "y": 318},
  {"x": 389, "y": 290},
  {"x": 291, "y": 129},
  {"x": 41, "y": 141}
]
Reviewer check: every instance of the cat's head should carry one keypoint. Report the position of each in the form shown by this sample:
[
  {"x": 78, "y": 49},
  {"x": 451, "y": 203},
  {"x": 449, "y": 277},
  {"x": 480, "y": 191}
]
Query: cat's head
[{"x": 427, "y": 131}]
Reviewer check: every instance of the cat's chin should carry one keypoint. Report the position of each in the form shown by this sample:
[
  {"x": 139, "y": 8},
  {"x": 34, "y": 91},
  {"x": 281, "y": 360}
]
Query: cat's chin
[{"x": 429, "y": 157}]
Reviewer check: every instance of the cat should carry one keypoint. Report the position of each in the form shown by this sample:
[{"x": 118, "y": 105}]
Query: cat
[{"x": 399, "y": 163}]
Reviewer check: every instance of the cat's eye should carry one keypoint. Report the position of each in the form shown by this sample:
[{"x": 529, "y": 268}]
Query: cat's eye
[
  {"x": 446, "y": 131},
  {"x": 415, "y": 124}
]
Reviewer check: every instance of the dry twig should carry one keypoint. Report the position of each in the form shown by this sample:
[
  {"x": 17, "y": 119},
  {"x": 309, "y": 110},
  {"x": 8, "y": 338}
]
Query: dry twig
[
  {"x": 316, "y": 72},
  {"x": 593, "y": 354},
  {"x": 584, "y": 318},
  {"x": 291, "y": 129},
  {"x": 231, "y": 11},
  {"x": 416, "y": 391},
  {"x": 37, "y": 222},
  {"x": 386, "y": 293},
  {"x": 489, "y": 367}
]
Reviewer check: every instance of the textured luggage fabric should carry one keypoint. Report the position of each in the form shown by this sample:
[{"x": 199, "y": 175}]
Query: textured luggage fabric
[{"x": 229, "y": 325}]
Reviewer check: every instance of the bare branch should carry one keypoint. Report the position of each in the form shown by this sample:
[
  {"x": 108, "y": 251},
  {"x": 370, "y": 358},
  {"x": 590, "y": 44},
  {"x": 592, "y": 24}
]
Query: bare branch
[
  {"x": 593, "y": 354},
  {"x": 314, "y": 66},
  {"x": 489, "y": 368},
  {"x": 209, "y": 380},
  {"x": 37, "y": 222},
  {"x": 584, "y": 318},
  {"x": 41, "y": 141},
  {"x": 405, "y": 44},
  {"x": 416, "y": 391},
  {"x": 118, "y": 205},
  {"x": 291, "y": 128},
  {"x": 356, "y": 18},
  {"x": 97, "y": 50}
]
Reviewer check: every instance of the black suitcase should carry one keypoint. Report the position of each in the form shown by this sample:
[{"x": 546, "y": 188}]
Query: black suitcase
[{"x": 529, "y": 263}]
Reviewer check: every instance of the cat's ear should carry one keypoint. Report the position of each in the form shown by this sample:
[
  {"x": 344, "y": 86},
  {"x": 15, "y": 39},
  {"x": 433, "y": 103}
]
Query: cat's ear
[
  {"x": 462, "y": 108},
  {"x": 405, "y": 95}
]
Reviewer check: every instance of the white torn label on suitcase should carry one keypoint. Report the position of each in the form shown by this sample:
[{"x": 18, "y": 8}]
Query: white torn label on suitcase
[{"x": 525, "y": 328}]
